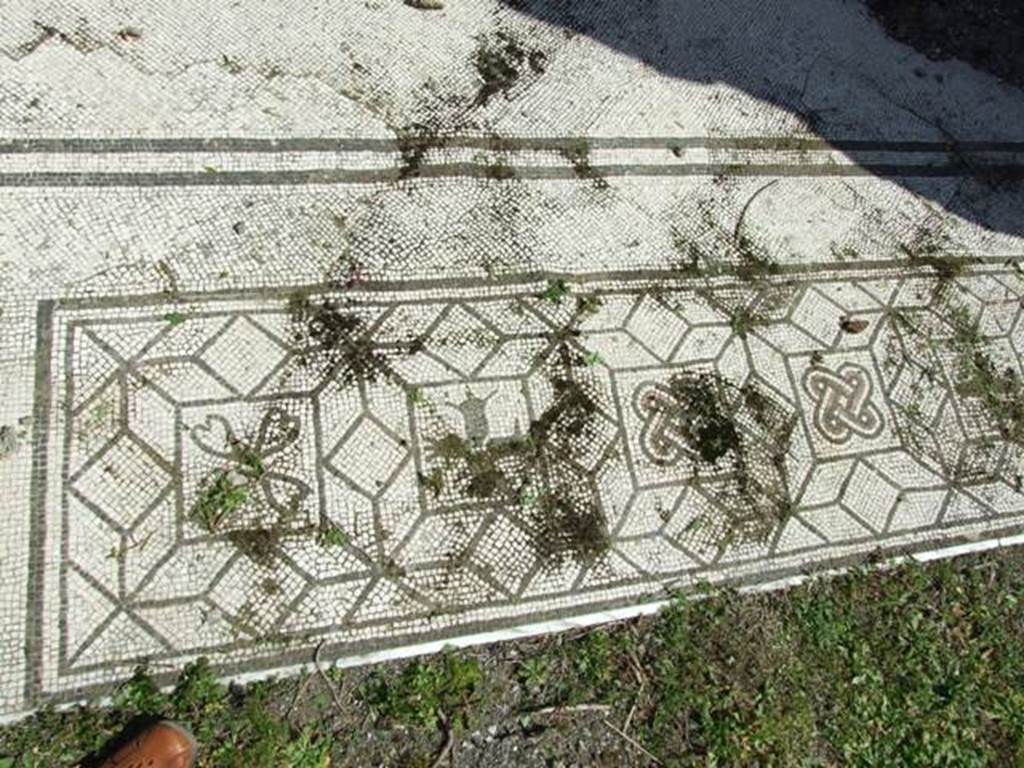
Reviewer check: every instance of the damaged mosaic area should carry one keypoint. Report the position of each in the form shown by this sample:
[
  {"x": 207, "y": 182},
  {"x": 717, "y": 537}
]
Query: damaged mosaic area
[{"x": 238, "y": 474}]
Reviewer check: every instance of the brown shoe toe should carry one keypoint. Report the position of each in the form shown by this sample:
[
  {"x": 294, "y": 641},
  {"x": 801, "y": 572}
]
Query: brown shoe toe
[{"x": 164, "y": 745}]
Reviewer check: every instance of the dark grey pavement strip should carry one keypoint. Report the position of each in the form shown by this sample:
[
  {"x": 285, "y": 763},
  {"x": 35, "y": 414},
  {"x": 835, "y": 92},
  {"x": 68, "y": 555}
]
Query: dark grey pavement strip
[
  {"x": 496, "y": 143},
  {"x": 37, "y": 500},
  {"x": 990, "y": 262}
]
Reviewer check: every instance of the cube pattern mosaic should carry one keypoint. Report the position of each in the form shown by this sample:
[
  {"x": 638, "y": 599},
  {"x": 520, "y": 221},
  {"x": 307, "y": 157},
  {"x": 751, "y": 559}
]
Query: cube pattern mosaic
[
  {"x": 237, "y": 474},
  {"x": 363, "y": 326}
]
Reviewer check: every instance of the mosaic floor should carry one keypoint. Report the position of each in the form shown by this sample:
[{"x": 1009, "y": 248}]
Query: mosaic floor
[{"x": 393, "y": 326}]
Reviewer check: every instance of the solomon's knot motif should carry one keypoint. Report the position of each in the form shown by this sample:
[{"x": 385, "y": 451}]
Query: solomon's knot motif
[{"x": 843, "y": 402}]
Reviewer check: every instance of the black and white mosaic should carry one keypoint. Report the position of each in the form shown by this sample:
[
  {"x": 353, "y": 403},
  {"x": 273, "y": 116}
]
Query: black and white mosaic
[
  {"x": 235, "y": 474},
  {"x": 364, "y": 327}
]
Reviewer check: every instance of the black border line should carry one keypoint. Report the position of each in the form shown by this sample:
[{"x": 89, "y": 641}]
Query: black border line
[
  {"x": 494, "y": 143},
  {"x": 204, "y": 178},
  {"x": 37, "y": 502},
  {"x": 981, "y": 263}
]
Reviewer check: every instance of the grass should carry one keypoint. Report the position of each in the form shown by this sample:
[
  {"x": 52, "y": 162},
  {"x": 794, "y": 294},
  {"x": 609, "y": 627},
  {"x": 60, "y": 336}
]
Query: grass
[
  {"x": 919, "y": 666},
  {"x": 241, "y": 732}
]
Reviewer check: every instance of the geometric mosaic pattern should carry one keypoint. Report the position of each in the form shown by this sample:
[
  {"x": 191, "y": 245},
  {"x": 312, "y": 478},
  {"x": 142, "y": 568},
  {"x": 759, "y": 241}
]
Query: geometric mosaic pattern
[
  {"x": 434, "y": 461},
  {"x": 367, "y": 326}
]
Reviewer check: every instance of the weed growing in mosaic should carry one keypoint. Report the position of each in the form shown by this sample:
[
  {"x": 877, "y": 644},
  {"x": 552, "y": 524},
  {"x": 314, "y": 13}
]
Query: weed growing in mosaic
[
  {"x": 221, "y": 495},
  {"x": 928, "y": 248},
  {"x": 578, "y": 153},
  {"x": 249, "y": 461},
  {"x": 499, "y": 170},
  {"x": 688, "y": 255},
  {"x": 743, "y": 320},
  {"x": 762, "y": 295},
  {"x": 225, "y": 492},
  {"x": 588, "y": 304},
  {"x": 500, "y": 61},
  {"x": 433, "y": 481},
  {"x": 414, "y": 142},
  {"x": 258, "y": 544},
  {"x": 564, "y": 521},
  {"x": 556, "y": 291},
  {"x": 331, "y": 536},
  {"x": 564, "y": 524},
  {"x": 725, "y": 426},
  {"x": 845, "y": 252},
  {"x": 1000, "y": 390},
  {"x": 338, "y": 343}
]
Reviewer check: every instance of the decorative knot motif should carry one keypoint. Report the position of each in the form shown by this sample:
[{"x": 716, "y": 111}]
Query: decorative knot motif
[
  {"x": 254, "y": 461},
  {"x": 662, "y": 436},
  {"x": 843, "y": 399}
]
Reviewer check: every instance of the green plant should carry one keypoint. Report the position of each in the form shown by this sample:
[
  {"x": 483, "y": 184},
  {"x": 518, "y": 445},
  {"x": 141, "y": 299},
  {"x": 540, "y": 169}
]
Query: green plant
[
  {"x": 593, "y": 660},
  {"x": 331, "y": 536},
  {"x": 425, "y": 692},
  {"x": 533, "y": 672},
  {"x": 556, "y": 291},
  {"x": 1000, "y": 390},
  {"x": 433, "y": 482},
  {"x": 578, "y": 154},
  {"x": 140, "y": 694},
  {"x": 913, "y": 666},
  {"x": 588, "y": 303},
  {"x": 309, "y": 750},
  {"x": 689, "y": 256},
  {"x": 220, "y": 496},
  {"x": 249, "y": 462},
  {"x": 743, "y": 321},
  {"x": 199, "y": 697}
]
